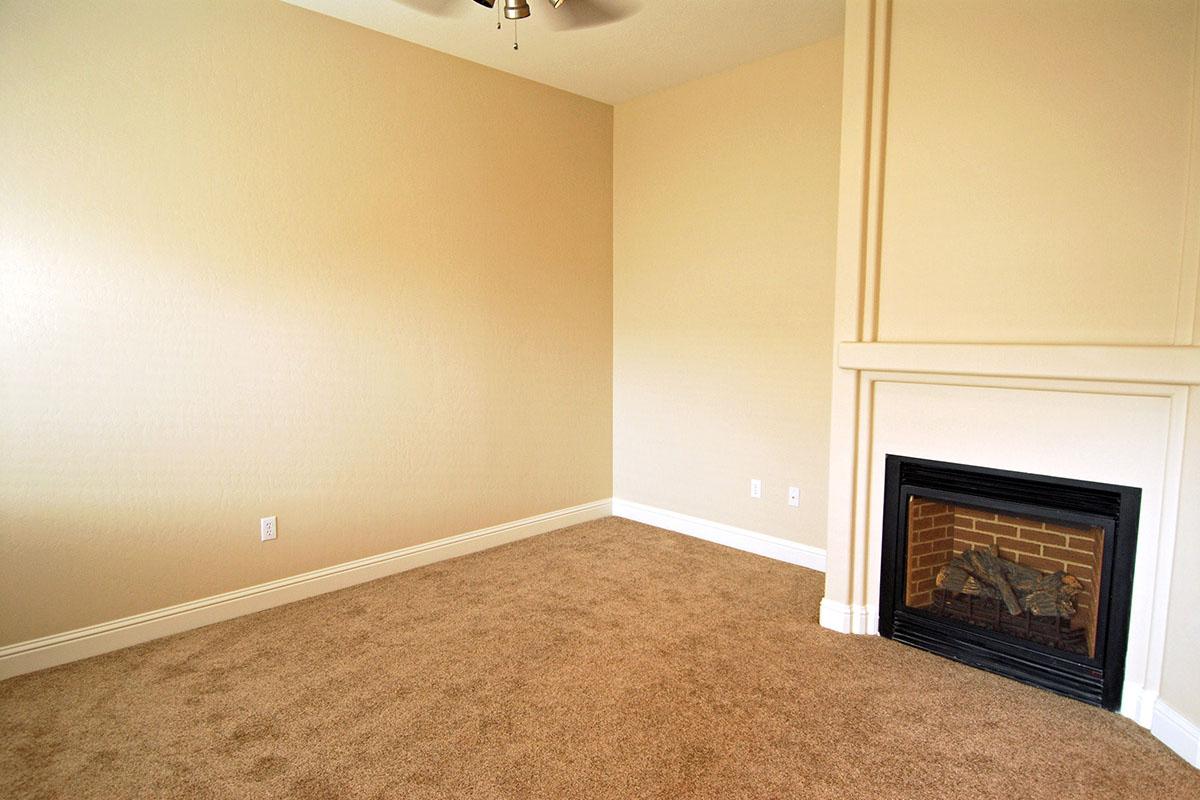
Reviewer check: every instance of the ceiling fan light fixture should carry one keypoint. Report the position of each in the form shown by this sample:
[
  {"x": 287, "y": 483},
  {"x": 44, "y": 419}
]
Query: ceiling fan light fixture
[{"x": 515, "y": 9}]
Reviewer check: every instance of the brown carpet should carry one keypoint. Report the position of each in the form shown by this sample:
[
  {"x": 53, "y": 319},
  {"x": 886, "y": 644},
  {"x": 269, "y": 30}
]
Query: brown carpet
[{"x": 609, "y": 660}]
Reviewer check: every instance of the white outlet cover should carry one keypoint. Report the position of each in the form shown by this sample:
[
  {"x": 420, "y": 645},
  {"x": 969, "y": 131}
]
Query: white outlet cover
[
  {"x": 267, "y": 528},
  {"x": 794, "y": 496},
  {"x": 755, "y": 487}
]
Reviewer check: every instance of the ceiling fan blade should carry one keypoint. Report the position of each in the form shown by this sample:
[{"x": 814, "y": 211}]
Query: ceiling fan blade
[{"x": 579, "y": 14}]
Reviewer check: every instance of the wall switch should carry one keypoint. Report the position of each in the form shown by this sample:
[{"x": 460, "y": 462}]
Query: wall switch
[
  {"x": 267, "y": 529},
  {"x": 794, "y": 496},
  {"x": 755, "y": 487}
]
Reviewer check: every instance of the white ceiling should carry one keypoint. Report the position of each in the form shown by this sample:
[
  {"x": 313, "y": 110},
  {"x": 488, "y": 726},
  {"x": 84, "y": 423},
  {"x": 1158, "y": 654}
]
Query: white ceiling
[{"x": 661, "y": 43}]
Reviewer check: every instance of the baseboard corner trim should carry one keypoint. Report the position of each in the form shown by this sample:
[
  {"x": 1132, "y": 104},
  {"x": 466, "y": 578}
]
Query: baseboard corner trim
[
  {"x": 847, "y": 618},
  {"x": 61, "y": 648},
  {"x": 835, "y": 616},
  {"x": 761, "y": 544},
  {"x": 1138, "y": 702},
  {"x": 1176, "y": 732}
]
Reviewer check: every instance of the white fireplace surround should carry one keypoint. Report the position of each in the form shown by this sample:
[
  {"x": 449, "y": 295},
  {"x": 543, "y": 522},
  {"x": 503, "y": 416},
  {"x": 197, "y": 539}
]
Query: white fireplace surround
[
  {"x": 1121, "y": 433},
  {"x": 1009, "y": 407}
]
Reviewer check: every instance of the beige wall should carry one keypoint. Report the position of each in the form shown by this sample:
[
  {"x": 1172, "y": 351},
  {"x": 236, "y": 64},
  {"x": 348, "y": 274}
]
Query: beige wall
[
  {"x": 724, "y": 228},
  {"x": 257, "y": 261},
  {"x": 1036, "y": 170}
]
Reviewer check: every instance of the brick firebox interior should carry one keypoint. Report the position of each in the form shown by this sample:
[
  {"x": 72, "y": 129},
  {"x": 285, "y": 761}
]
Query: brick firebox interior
[{"x": 939, "y": 531}]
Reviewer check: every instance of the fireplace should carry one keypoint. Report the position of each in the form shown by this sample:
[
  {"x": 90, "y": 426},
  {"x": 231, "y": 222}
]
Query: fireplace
[{"x": 1029, "y": 576}]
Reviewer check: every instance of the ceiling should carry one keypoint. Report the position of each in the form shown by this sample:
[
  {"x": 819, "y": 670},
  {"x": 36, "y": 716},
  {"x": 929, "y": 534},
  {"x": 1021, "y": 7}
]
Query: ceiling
[{"x": 661, "y": 43}]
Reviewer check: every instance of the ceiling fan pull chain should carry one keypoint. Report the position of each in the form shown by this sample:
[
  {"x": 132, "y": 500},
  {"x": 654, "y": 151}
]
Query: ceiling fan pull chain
[
  {"x": 499, "y": 15},
  {"x": 515, "y": 45}
]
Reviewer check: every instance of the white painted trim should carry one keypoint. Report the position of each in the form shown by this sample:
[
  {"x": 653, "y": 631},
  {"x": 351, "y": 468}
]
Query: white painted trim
[
  {"x": 49, "y": 651},
  {"x": 738, "y": 538},
  {"x": 1137, "y": 702},
  {"x": 845, "y": 618},
  {"x": 1153, "y": 365},
  {"x": 835, "y": 616},
  {"x": 849, "y": 318},
  {"x": 1177, "y": 732}
]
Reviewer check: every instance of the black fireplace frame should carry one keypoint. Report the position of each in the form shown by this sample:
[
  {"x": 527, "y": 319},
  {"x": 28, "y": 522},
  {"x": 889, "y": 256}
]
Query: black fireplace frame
[{"x": 1096, "y": 680}]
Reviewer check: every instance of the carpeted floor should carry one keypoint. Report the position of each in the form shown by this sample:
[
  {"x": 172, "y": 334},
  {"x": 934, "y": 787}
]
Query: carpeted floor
[{"x": 608, "y": 660}]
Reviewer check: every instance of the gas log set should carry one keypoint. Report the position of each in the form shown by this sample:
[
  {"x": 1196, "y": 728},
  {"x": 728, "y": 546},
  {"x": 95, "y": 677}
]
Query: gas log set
[{"x": 983, "y": 589}]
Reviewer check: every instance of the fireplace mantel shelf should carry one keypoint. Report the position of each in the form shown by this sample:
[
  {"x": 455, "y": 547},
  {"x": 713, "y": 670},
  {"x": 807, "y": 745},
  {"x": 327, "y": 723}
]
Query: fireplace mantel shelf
[{"x": 1175, "y": 365}]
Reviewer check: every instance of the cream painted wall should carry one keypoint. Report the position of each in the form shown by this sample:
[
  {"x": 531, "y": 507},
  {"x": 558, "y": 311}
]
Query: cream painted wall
[
  {"x": 724, "y": 228},
  {"x": 1036, "y": 170},
  {"x": 257, "y": 261}
]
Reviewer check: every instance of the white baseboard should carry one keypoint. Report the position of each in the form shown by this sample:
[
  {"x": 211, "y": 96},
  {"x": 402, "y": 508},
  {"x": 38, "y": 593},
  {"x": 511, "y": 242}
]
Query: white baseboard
[
  {"x": 738, "y": 538},
  {"x": 845, "y": 618},
  {"x": 49, "y": 651},
  {"x": 1168, "y": 725},
  {"x": 836, "y": 616},
  {"x": 1138, "y": 703},
  {"x": 1176, "y": 732}
]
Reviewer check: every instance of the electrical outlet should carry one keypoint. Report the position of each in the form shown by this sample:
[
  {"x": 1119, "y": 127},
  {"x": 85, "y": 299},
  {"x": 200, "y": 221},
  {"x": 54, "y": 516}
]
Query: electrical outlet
[
  {"x": 267, "y": 529},
  {"x": 794, "y": 496},
  {"x": 755, "y": 487}
]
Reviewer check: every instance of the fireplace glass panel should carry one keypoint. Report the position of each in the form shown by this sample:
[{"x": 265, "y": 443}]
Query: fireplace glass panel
[{"x": 1035, "y": 580}]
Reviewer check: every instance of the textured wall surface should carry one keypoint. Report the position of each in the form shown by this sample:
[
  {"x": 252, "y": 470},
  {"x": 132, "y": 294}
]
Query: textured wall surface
[
  {"x": 258, "y": 261},
  {"x": 1036, "y": 178},
  {"x": 724, "y": 234}
]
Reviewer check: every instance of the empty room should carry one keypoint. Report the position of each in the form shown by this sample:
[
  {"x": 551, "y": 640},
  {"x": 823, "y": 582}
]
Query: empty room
[{"x": 599, "y": 399}]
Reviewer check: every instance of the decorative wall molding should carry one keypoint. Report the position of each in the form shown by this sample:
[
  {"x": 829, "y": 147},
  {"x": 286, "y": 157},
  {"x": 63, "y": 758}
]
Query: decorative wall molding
[
  {"x": 862, "y": 364},
  {"x": 738, "y": 538},
  {"x": 1154, "y": 365},
  {"x": 864, "y": 87},
  {"x": 1187, "y": 323},
  {"x": 1176, "y": 732},
  {"x": 62, "y": 648}
]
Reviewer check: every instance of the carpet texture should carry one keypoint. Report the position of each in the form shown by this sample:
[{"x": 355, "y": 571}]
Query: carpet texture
[{"x": 608, "y": 660}]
